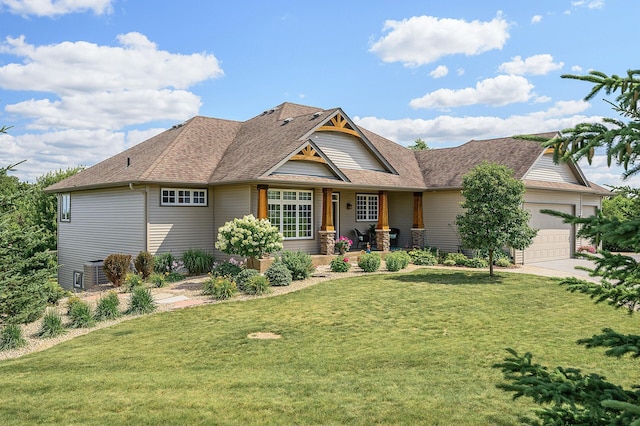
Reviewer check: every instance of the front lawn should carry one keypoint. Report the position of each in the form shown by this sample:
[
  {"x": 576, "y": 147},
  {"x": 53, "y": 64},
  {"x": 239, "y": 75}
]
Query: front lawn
[{"x": 414, "y": 348}]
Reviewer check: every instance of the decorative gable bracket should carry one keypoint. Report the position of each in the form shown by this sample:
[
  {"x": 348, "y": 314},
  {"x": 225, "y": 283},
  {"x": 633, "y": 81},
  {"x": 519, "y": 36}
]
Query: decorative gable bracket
[
  {"x": 309, "y": 154},
  {"x": 338, "y": 123}
]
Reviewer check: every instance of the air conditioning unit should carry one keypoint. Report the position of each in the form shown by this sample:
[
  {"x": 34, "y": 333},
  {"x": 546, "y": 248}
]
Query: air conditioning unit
[{"x": 94, "y": 274}]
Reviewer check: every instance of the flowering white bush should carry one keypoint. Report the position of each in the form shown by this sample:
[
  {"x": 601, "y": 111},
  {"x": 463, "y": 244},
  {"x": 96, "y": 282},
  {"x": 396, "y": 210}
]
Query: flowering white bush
[{"x": 249, "y": 237}]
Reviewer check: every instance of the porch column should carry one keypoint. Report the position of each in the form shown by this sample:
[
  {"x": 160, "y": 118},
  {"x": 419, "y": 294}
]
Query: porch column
[
  {"x": 327, "y": 229},
  {"x": 262, "y": 201},
  {"x": 418, "y": 231},
  {"x": 382, "y": 228}
]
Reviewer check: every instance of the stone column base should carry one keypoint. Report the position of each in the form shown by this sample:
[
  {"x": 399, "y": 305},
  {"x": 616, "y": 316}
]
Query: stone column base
[
  {"x": 327, "y": 242},
  {"x": 383, "y": 242},
  {"x": 418, "y": 238}
]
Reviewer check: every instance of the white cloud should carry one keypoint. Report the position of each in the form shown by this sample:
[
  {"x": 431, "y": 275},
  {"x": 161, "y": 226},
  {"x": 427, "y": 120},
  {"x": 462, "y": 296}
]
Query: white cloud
[
  {"x": 53, "y": 8},
  {"x": 576, "y": 68},
  {"x": 591, "y": 4},
  {"x": 58, "y": 150},
  {"x": 533, "y": 65},
  {"x": 108, "y": 110},
  {"x": 446, "y": 130},
  {"x": 498, "y": 91},
  {"x": 460, "y": 71},
  {"x": 421, "y": 40},
  {"x": 536, "y": 19},
  {"x": 72, "y": 67},
  {"x": 95, "y": 91},
  {"x": 440, "y": 71}
]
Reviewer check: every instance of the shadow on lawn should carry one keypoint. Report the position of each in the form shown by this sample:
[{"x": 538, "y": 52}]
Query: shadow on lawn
[{"x": 430, "y": 276}]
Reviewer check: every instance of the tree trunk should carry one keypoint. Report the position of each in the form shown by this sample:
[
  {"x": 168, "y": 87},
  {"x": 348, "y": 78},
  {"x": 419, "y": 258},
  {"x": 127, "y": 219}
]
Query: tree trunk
[{"x": 490, "y": 263}]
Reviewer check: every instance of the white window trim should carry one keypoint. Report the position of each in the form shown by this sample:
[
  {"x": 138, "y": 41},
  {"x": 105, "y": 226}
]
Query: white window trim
[
  {"x": 297, "y": 202},
  {"x": 368, "y": 217},
  {"x": 65, "y": 207},
  {"x": 178, "y": 202}
]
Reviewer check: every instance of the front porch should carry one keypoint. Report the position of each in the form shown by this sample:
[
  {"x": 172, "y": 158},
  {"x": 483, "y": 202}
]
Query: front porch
[{"x": 384, "y": 219}]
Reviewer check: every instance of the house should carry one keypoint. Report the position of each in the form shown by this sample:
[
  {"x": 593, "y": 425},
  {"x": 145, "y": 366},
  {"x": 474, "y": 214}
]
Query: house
[{"x": 313, "y": 173}]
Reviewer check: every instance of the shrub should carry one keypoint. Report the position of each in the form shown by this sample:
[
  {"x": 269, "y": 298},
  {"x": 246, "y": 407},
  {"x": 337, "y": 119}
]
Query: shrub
[
  {"x": 257, "y": 285},
  {"x": 132, "y": 281},
  {"x": 144, "y": 264},
  {"x": 458, "y": 259},
  {"x": 423, "y": 257},
  {"x": 369, "y": 262},
  {"x": 219, "y": 287},
  {"x": 51, "y": 325},
  {"x": 54, "y": 292},
  {"x": 141, "y": 301},
  {"x": 340, "y": 264},
  {"x": 229, "y": 268},
  {"x": 108, "y": 307},
  {"x": 11, "y": 337},
  {"x": 116, "y": 267},
  {"x": 278, "y": 274},
  {"x": 80, "y": 315},
  {"x": 503, "y": 262},
  {"x": 298, "y": 262},
  {"x": 158, "y": 280},
  {"x": 72, "y": 301},
  {"x": 243, "y": 277},
  {"x": 174, "y": 277},
  {"x": 397, "y": 260},
  {"x": 197, "y": 261},
  {"x": 164, "y": 262},
  {"x": 476, "y": 262},
  {"x": 249, "y": 237}
]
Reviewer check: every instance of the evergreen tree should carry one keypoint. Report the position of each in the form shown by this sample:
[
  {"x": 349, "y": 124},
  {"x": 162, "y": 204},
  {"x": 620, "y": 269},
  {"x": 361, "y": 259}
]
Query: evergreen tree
[
  {"x": 419, "y": 145},
  {"x": 493, "y": 216},
  {"x": 570, "y": 397}
]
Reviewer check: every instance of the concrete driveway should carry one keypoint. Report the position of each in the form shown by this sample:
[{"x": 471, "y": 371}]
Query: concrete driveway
[
  {"x": 560, "y": 268},
  {"x": 566, "y": 268}
]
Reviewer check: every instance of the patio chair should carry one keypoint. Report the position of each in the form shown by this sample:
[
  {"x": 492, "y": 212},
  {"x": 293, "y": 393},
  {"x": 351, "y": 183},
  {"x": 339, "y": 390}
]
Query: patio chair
[
  {"x": 394, "y": 235},
  {"x": 361, "y": 238}
]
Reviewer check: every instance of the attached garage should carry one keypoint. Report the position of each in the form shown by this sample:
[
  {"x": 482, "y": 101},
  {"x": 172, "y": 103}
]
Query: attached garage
[{"x": 555, "y": 239}]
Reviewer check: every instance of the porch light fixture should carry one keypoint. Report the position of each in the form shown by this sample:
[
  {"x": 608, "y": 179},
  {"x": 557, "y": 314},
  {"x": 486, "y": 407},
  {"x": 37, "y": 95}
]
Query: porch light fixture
[{"x": 349, "y": 206}]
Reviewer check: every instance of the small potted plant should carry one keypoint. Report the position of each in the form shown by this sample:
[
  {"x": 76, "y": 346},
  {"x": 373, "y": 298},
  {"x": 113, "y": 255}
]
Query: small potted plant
[{"x": 343, "y": 244}]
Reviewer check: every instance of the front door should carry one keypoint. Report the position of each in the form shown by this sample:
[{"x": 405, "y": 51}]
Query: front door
[{"x": 335, "y": 207}]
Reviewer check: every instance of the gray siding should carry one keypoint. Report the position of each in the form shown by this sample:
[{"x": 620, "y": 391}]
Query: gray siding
[
  {"x": 440, "y": 210},
  {"x": 305, "y": 168},
  {"x": 401, "y": 216},
  {"x": 102, "y": 223},
  {"x": 176, "y": 229},
  {"x": 545, "y": 170},
  {"x": 346, "y": 152},
  {"x": 231, "y": 202}
]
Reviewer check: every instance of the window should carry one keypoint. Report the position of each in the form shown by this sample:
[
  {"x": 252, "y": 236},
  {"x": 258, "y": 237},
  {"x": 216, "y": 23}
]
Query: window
[
  {"x": 291, "y": 212},
  {"x": 65, "y": 207},
  {"x": 78, "y": 279},
  {"x": 183, "y": 197},
  {"x": 366, "y": 207}
]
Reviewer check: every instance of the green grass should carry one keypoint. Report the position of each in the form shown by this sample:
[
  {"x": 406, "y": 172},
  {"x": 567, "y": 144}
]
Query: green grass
[{"x": 379, "y": 349}]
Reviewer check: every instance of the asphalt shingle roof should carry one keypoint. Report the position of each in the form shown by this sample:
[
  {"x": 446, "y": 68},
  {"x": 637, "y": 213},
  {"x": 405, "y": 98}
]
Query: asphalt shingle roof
[{"x": 208, "y": 151}]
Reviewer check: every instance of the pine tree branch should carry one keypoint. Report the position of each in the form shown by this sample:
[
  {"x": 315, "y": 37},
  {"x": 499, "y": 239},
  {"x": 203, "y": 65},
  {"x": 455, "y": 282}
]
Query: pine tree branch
[{"x": 619, "y": 344}]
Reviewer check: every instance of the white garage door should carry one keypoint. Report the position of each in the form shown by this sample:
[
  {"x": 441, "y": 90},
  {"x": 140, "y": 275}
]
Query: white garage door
[{"x": 555, "y": 238}]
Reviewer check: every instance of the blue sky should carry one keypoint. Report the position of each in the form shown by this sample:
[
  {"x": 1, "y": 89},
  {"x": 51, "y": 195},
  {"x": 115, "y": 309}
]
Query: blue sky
[{"x": 81, "y": 80}]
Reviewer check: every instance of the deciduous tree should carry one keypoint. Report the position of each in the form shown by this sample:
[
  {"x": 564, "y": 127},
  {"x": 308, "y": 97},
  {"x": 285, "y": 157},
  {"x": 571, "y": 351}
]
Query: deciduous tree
[{"x": 493, "y": 217}]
